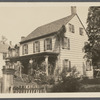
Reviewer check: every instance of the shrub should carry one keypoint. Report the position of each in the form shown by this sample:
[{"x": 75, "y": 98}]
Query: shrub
[{"x": 69, "y": 82}]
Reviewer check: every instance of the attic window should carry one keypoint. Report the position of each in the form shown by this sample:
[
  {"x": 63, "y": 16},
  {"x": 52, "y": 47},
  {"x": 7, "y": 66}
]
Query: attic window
[
  {"x": 71, "y": 28},
  {"x": 81, "y": 31}
]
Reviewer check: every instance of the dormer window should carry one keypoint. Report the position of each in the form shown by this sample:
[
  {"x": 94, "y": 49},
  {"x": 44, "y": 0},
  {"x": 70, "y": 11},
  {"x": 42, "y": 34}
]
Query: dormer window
[
  {"x": 71, "y": 28},
  {"x": 81, "y": 31}
]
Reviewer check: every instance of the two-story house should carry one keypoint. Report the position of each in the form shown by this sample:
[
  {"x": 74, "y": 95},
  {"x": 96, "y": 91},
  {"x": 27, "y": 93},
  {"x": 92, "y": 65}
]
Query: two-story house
[{"x": 43, "y": 45}]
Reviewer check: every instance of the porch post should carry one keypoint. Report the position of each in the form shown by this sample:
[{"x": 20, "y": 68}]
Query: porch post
[{"x": 46, "y": 61}]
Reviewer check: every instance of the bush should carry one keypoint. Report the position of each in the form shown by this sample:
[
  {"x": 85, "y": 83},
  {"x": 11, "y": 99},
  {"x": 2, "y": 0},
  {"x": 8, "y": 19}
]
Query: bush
[
  {"x": 67, "y": 81},
  {"x": 69, "y": 84}
]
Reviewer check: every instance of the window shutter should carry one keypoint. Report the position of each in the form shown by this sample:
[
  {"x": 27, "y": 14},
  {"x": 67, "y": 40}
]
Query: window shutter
[
  {"x": 68, "y": 44},
  {"x": 69, "y": 27},
  {"x": 33, "y": 47},
  {"x": 63, "y": 44},
  {"x": 50, "y": 44},
  {"x": 38, "y": 46},
  {"x": 44, "y": 45},
  {"x": 69, "y": 66},
  {"x": 63, "y": 63},
  {"x": 26, "y": 48},
  {"x": 23, "y": 50},
  {"x": 73, "y": 29}
]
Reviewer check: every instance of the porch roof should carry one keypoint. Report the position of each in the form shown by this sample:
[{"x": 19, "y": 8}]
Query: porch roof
[{"x": 43, "y": 54}]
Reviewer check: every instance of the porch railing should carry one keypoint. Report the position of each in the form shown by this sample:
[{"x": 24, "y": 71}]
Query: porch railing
[{"x": 27, "y": 89}]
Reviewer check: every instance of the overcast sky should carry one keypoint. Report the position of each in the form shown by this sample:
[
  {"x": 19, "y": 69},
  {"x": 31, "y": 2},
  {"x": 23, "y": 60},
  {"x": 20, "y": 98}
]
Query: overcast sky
[{"x": 17, "y": 21}]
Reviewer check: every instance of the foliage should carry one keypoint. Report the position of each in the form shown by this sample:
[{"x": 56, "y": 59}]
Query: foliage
[
  {"x": 3, "y": 39},
  {"x": 68, "y": 82},
  {"x": 18, "y": 67},
  {"x": 41, "y": 78},
  {"x": 92, "y": 48},
  {"x": 60, "y": 36}
]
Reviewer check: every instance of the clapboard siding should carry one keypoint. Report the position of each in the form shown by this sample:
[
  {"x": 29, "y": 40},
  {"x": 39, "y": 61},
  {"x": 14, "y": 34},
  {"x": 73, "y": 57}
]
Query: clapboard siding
[
  {"x": 30, "y": 46},
  {"x": 75, "y": 54}
]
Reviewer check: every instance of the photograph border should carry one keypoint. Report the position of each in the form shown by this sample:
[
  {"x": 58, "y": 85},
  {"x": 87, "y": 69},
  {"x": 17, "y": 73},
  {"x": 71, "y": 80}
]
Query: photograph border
[{"x": 46, "y": 98}]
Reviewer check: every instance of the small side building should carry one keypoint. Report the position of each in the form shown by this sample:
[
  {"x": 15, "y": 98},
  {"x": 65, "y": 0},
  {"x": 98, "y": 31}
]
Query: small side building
[{"x": 3, "y": 55}]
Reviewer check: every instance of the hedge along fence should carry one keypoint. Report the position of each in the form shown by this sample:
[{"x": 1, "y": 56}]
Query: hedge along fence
[{"x": 27, "y": 89}]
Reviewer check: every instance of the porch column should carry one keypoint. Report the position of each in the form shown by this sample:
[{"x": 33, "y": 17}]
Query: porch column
[{"x": 46, "y": 61}]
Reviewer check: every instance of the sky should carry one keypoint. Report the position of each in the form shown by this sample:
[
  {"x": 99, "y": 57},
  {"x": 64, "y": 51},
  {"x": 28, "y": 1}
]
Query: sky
[{"x": 17, "y": 21}]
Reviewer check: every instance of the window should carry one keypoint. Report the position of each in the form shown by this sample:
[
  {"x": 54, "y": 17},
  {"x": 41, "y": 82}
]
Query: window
[
  {"x": 88, "y": 65},
  {"x": 71, "y": 28},
  {"x": 66, "y": 44},
  {"x": 4, "y": 55},
  {"x": 36, "y": 46},
  {"x": 67, "y": 64},
  {"x": 25, "y": 49},
  {"x": 48, "y": 44},
  {"x": 81, "y": 31},
  {"x": 17, "y": 52}
]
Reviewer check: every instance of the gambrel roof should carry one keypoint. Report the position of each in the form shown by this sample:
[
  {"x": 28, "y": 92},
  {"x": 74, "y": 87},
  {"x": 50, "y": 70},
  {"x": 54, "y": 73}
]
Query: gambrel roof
[{"x": 48, "y": 28}]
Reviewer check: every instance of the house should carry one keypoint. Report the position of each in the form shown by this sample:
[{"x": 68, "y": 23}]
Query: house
[
  {"x": 3, "y": 55},
  {"x": 44, "y": 45}
]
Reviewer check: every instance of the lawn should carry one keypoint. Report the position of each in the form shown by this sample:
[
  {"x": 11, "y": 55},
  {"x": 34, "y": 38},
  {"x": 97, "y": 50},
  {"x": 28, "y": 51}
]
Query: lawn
[{"x": 90, "y": 85}]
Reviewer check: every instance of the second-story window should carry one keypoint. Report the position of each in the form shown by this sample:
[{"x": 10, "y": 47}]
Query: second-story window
[
  {"x": 36, "y": 46},
  {"x": 25, "y": 49},
  {"x": 66, "y": 43},
  {"x": 81, "y": 31},
  {"x": 71, "y": 28},
  {"x": 48, "y": 44}
]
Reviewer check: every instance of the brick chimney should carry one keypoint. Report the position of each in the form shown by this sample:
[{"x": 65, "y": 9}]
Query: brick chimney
[
  {"x": 22, "y": 38},
  {"x": 73, "y": 10}
]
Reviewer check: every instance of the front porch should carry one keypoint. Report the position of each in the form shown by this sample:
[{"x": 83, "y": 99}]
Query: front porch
[{"x": 45, "y": 62}]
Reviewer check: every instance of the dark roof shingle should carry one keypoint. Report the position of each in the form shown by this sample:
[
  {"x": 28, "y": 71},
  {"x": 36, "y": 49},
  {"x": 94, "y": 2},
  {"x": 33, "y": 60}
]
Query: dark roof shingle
[{"x": 48, "y": 28}]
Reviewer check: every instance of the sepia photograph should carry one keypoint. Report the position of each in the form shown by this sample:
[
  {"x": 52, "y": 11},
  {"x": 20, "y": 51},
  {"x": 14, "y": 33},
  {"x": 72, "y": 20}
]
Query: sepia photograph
[{"x": 49, "y": 48}]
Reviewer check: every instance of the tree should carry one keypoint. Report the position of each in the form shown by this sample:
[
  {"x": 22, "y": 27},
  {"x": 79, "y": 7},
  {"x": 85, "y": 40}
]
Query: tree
[
  {"x": 60, "y": 39},
  {"x": 3, "y": 39},
  {"x": 92, "y": 48}
]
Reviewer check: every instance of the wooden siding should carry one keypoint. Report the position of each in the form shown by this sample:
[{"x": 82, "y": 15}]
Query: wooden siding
[
  {"x": 75, "y": 54},
  {"x": 30, "y": 46}
]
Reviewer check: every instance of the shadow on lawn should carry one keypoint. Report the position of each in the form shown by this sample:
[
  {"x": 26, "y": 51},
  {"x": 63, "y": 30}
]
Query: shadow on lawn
[{"x": 90, "y": 85}]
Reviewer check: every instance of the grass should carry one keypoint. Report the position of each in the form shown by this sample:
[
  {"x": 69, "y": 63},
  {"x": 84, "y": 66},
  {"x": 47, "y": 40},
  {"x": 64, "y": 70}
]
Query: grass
[{"x": 90, "y": 85}]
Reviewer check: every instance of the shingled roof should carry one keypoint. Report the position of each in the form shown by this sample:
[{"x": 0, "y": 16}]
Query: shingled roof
[
  {"x": 48, "y": 28},
  {"x": 3, "y": 48}
]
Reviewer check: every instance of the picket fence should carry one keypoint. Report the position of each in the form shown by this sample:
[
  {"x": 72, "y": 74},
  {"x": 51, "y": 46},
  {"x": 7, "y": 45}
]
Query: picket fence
[{"x": 27, "y": 89}]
